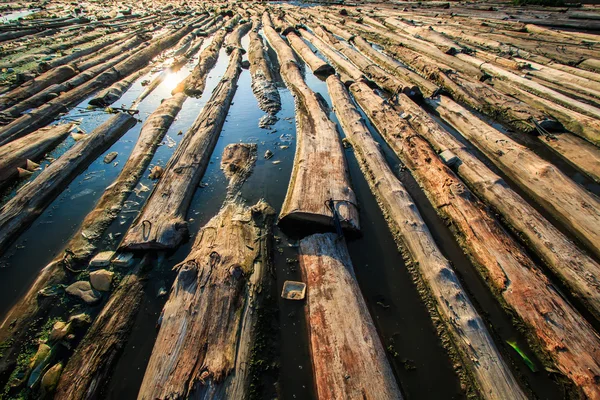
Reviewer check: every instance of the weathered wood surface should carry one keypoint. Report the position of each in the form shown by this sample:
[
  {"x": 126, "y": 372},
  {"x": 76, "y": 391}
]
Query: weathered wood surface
[
  {"x": 348, "y": 359},
  {"x": 579, "y": 153},
  {"x": 19, "y": 212},
  {"x": 263, "y": 84},
  {"x": 576, "y": 208},
  {"x": 161, "y": 223},
  {"x": 493, "y": 378},
  {"x": 33, "y": 308},
  {"x": 564, "y": 339},
  {"x": 31, "y": 147},
  {"x": 114, "y": 92},
  {"x": 316, "y": 64},
  {"x": 320, "y": 172}
]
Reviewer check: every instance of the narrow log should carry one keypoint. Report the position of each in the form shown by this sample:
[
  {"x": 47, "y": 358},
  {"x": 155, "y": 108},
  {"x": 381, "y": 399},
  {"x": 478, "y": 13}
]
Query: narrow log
[
  {"x": 19, "y": 212},
  {"x": 33, "y": 308},
  {"x": 32, "y": 147},
  {"x": 348, "y": 359},
  {"x": 320, "y": 172},
  {"x": 564, "y": 339},
  {"x": 492, "y": 376},
  {"x": 316, "y": 64},
  {"x": 45, "y": 114},
  {"x": 566, "y": 79},
  {"x": 161, "y": 223},
  {"x": 579, "y": 153},
  {"x": 263, "y": 85},
  {"x": 572, "y": 205},
  {"x": 114, "y": 92},
  {"x": 428, "y": 34}
]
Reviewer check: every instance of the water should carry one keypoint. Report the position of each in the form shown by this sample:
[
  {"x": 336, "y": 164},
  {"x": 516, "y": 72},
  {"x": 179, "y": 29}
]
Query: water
[{"x": 402, "y": 320}]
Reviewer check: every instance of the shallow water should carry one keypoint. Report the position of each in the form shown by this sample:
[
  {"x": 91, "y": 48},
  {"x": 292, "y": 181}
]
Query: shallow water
[{"x": 402, "y": 320}]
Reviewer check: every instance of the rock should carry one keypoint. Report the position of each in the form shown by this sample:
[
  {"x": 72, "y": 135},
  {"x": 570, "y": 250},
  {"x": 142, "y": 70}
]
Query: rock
[
  {"x": 268, "y": 154},
  {"x": 156, "y": 172},
  {"x": 110, "y": 157},
  {"x": 123, "y": 260},
  {"x": 59, "y": 331},
  {"x": 78, "y": 136},
  {"x": 84, "y": 291},
  {"x": 31, "y": 166},
  {"x": 162, "y": 292},
  {"x": 50, "y": 378},
  {"x": 245, "y": 64},
  {"x": 102, "y": 259},
  {"x": 79, "y": 320},
  {"x": 42, "y": 353},
  {"x": 101, "y": 280},
  {"x": 23, "y": 173}
]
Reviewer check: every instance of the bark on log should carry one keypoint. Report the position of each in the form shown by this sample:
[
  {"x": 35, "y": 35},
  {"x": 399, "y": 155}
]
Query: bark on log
[
  {"x": 33, "y": 308},
  {"x": 348, "y": 359},
  {"x": 161, "y": 223},
  {"x": 19, "y": 212},
  {"x": 320, "y": 172},
  {"x": 563, "y": 336},
  {"x": 493, "y": 378},
  {"x": 572, "y": 205},
  {"x": 46, "y": 113},
  {"x": 206, "y": 354},
  {"x": 32, "y": 147},
  {"x": 263, "y": 85}
]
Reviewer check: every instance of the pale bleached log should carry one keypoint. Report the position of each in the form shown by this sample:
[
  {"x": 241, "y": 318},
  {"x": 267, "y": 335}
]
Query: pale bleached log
[
  {"x": 31, "y": 147},
  {"x": 161, "y": 223},
  {"x": 114, "y": 92},
  {"x": 320, "y": 172},
  {"x": 348, "y": 359},
  {"x": 427, "y": 33},
  {"x": 263, "y": 84},
  {"x": 563, "y": 337},
  {"x": 316, "y": 64},
  {"x": 19, "y": 212},
  {"x": 492, "y": 377},
  {"x": 579, "y": 153},
  {"x": 576, "y": 208}
]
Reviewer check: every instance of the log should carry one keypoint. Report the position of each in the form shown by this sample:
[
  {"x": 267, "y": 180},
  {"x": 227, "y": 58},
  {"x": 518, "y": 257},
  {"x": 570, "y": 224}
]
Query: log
[
  {"x": 114, "y": 92},
  {"x": 316, "y": 64},
  {"x": 161, "y": 223},
  {"x": 562, "y": 336},
  {"x": 33, "y": 308},
  {"x": 319, "y": 173},
  {"x": 576, "y": 151},
  {"x": 19, "y": 212},
  {"x": 45, "y": 114},
  {"x": 32, "y": 147},
  {"x": 428, "y": 34},
  {"x": 348, "y": 359},
  {"x": 492, "y": 376},
  {"x": 263, "y": 84},
  {"x": 576, "y": 208}
]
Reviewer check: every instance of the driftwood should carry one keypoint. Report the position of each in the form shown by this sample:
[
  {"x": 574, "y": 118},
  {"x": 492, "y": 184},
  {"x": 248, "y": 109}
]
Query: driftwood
[
  {"x": 571, "y": 204},
  {"x": 161, "y": 223},
  {"x": 565, "y": 338},
  {"x": 18, "y": 213},
  {"x": 348, "y": 359},
  {"x": 263, "y": 85},
  {"x": 84, "y": 243},
  {"x": 320, "y": 173},
  {"x": 32, "y": 147},
  {"x": 114, "y": 92},
  {"x": 46, "y": 113},
  {"x": 579, "y": 153},
  {"x": 492, "y": 376},
  {"x": 316, "y": 64}
]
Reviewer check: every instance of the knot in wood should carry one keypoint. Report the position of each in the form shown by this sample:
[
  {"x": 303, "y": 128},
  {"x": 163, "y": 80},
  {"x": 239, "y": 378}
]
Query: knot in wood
[
  {"x": 236, "y": 271},
  {"x": 188, "y": 273}
]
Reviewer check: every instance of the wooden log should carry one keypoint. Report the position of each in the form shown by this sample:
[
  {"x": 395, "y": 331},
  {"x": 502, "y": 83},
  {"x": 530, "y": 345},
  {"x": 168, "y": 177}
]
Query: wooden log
[
  {"x": 114, "y": 92},
  {"x": 32, "y": 147},
  {"x": 263, "y": 84},
  {"x": 320, "y": 172},
  {"x": 572, "y": 205},
  {"x": 492, "y": 376},
  {"x": 161, "y": 223},
  {"x": 562, "y": 335},
  {"x": 574, "y": 82},
  {"x": 19, "y": 212},
  {"x": 45, "y": 114},
  {"x": 576, "y": 151},
  {"x": 427, "y": 33},
  {"x": 316, "y": 64},
  {"x": 33, "y": 308}
]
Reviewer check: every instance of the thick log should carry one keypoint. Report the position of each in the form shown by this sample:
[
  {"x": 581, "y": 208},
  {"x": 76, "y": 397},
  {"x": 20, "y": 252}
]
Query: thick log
[
  {"x": 492, "y": 376},
  {"x": 348, "y": 359},
  {"x": 19, "y": 212},
  {"x": 33, "y": 308},
  {"x": 572, "y": 205},
  {"x": 263, "y": 85},
  {"x": 161, "y": 223},
  {"x": 32, "y": 147},
  {"x": 562, "y": 335},
  {"x": 45, "y": 114},
  {"x": 428, "y": 34},
  {"x": 579, "y": 153},
  {"x": 562, "y": 78},
  {"x": 320, "y": 172},
  {"x": 114, "y": 92},
  {"x": 316, "y": 64}
]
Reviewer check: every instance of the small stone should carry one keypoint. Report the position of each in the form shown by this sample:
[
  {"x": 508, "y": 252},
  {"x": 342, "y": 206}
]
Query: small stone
[
  {"x": 84, "y": 291},
  {"x": 102, "y": 259},
  {"x": 245, "y": 64},
  {"x": 42, "y": 353},
  {"x": 268, "y": 154},
  {"x": 50, "y": 378},
  {"x": 156, "y": 172},
  {"x": 123, "y": 260},
  {"x": 110, "y": 157},
  {"x": 59, "y": 331},
  {"x": 162, "y": 292},
  {"x": 101, "y": 280},
  {"x": 79, "y": 320}
]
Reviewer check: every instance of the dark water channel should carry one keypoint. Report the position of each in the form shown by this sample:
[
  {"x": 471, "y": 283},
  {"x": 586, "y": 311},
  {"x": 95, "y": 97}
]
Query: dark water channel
[{"x": 420, "y": 363}]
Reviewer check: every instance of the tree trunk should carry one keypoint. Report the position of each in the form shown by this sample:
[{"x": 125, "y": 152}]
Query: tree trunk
[
  {"x": 263, "y": 85},
  {"x": 316, "y": 64},
  {"x": 493, "y": 379},
  {"x": 320, "y": 173}
]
